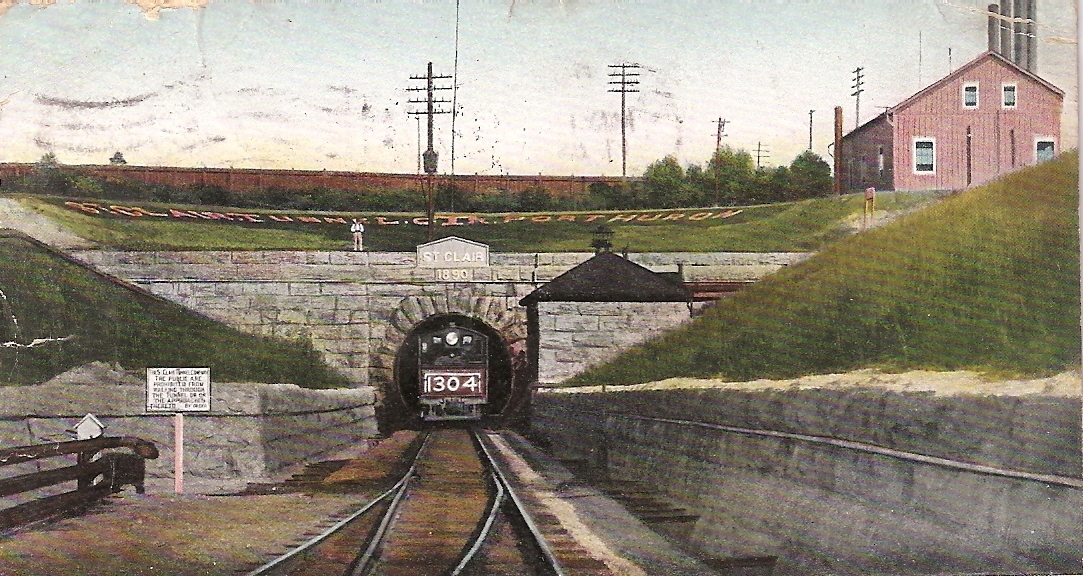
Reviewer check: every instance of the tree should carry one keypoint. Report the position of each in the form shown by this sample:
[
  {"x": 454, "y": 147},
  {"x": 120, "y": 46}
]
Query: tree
[
  {"x": 810, "y": 175},
  {"x": 118, "y": 158},
  {"x": 49, "y": 177},
  {"x": 665, "y": 183},
  {"x": 730, "y": 173}
]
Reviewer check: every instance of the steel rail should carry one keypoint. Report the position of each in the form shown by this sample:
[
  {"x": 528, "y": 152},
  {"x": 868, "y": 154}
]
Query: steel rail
[
  {"x": 364, "y": 563},
  {"x": 397, "y": 489},
  {"x": 535, "y": 532},
  {"x": 498, "y": 501}
]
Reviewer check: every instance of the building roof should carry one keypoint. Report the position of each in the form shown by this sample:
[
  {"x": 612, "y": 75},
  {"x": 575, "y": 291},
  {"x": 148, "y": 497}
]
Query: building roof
[
  {"x": 969, "y": 66},
  {"x": 608, "y": 277},
  {"x": 946, "y": 79},
  {"x": 869, "y": 123}
]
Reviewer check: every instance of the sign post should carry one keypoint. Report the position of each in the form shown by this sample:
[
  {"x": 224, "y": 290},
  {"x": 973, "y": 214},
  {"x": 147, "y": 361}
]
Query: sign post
[{"x": 178, "y": 390}]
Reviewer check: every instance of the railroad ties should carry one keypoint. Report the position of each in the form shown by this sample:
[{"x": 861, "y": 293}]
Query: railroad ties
[
  {"x": 451, "y": 511},
  {"x": 444, "y": 504}
]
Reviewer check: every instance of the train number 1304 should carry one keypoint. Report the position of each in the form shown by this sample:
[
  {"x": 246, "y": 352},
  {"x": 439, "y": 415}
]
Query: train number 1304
[{"x": 454, "y": 383}]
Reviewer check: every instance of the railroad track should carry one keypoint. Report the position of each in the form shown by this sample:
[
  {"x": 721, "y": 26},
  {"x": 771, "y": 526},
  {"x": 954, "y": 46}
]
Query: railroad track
[{"x": 454, "y": 512}]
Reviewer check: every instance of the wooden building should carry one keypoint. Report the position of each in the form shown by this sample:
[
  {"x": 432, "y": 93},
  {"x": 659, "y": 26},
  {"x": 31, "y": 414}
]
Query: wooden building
[{"x": 987, "y": 118}]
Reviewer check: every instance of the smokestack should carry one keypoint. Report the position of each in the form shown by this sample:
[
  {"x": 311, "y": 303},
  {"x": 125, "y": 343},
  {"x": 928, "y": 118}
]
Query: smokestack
[
  {"x": 994, "y": 29},
  {"x": 837, "y": 184},
  {"x": 1019, "y": 42},
  {"x": 1032, "y": 36},
  {"x": 1006, "y": 29}
]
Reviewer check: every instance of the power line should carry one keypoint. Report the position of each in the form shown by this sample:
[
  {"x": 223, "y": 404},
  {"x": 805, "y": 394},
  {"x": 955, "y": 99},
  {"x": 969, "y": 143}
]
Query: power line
[
  {"x": 628, "y": 82},
  {"x": 454, "y": 94}
]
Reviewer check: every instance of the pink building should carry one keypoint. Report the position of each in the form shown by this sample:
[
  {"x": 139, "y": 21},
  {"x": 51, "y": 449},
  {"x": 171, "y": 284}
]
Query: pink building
[{"x": 985, "y": 119}]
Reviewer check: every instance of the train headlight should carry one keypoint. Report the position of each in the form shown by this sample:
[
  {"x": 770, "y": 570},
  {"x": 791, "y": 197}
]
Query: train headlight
[{"x": 452, "y": 338}]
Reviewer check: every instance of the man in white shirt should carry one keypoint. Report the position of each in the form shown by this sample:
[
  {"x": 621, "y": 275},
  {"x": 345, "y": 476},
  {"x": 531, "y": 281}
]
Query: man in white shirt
[{"x": 358, "y": 230}]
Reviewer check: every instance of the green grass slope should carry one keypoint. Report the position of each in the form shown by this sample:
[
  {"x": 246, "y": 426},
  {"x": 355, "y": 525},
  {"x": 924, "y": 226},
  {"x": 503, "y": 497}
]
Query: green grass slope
[
  {"x": 986, "y": 280},
  {"x": 791, "y": 226},
  {"x": 46, "y": 297}
]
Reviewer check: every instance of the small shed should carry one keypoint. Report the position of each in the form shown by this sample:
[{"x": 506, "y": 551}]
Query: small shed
[{"x": 596, "y": 310}]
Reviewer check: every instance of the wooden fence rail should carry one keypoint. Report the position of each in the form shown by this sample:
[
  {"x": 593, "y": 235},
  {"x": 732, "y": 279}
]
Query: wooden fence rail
[{"x": 115, "y": 470}]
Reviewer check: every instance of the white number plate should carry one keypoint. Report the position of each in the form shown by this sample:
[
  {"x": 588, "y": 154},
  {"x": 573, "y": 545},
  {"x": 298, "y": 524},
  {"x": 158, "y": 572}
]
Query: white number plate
[
  {"x": 453, "y": 275},
  {"x": 470, "y": 383}
]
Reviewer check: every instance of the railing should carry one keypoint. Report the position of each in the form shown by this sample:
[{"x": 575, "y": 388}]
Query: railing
[{"x": 116, "y": 469}]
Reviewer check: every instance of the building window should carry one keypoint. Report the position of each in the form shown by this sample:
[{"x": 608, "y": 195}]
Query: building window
[
  {"x": 1044, "y": 149},
  {"x": 924, "y": 156},
  {"x": 970, "y": 95},
  {"x": 1009, "y": 95},
  {"x": 880, "y": 161}
]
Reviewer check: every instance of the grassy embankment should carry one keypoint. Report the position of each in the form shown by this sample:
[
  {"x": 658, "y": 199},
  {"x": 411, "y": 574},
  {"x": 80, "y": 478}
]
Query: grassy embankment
[
  {"x": 49, "y": 297},
  {"x": 796, "y": 226},
  {"x": 987, "y": 280}
]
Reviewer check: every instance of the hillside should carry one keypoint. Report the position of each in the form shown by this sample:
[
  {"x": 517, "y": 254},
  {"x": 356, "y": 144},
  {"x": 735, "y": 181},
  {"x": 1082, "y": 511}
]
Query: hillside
[
  {"x": 791, "y": 226},
  {"x": 986, "y": 280},
  {"x": 55, "y": 315}
]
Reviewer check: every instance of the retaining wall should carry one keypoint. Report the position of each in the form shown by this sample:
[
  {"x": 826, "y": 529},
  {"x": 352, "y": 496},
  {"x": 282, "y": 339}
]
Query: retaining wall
[
  {"x": 825, "y": 507},
  {"x": 344, "y": 302},
  {"x": 253, "y": 433}
]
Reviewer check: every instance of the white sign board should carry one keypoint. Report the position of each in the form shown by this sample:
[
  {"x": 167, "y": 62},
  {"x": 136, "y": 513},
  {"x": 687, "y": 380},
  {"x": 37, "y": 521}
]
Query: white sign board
[
  {"x": 453, "y": 252},
  {"x": 178, "y": 389}
]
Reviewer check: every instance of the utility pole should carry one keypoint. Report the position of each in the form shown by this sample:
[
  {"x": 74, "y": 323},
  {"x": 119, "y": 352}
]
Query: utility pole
[
  {"x": 718, "y": 137},
  {"x": 857, "y": 92},
  {"x": 810, "y": 129},
  {"x": 418, "y": 118},
  {"x": 761, "y": 152},
  {"x": 628, "y": 82},
  {"x": 430, "y": 156}
]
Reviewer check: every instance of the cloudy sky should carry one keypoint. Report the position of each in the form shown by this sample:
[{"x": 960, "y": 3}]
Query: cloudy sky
[{"x": 321, "y": 84}]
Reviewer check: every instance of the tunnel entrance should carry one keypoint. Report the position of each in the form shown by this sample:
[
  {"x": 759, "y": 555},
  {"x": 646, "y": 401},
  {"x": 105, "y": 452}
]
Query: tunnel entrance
[{"x": 501, "y": 366}]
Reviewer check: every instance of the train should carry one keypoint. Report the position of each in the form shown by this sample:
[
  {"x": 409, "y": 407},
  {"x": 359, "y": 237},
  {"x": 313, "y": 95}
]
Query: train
[{"x": 453, "y": 374}]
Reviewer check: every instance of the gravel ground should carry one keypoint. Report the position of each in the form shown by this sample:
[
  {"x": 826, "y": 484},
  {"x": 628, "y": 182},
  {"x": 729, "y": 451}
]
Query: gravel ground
[{"x": 1066, "y": 384}]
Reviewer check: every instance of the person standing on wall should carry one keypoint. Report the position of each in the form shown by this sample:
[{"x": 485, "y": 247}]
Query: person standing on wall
[{"x": 358, "y": 230}]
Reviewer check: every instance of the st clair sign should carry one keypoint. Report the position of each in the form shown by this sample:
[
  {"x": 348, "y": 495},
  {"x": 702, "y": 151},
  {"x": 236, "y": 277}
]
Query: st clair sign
[
  {"x": 452, "y": 258},
  {"x": 98, "y": 209}
]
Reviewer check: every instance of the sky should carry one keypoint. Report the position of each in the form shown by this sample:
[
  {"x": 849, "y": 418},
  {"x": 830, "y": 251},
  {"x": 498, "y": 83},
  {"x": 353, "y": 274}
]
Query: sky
[{"x": 322, "y": 84}]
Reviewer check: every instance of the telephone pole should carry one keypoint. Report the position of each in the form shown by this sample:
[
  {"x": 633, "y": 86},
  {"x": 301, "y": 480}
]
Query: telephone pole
[
  {"x": 718, "y": 138},
  {"x": 858, "y": 83},
  {"x": 430, "y": 156},
  {"x": 810, "y": 129},
  {"x": 628, "y": 82},
  {"x": 761, "y": 152}
]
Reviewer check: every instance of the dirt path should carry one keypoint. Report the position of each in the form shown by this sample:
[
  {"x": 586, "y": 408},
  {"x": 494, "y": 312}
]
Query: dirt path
[{"x": 18, "y": 217}]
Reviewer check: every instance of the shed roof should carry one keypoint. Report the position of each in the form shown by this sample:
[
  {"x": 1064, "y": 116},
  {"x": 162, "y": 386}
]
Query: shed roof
[{"x": 608, "y": 277}]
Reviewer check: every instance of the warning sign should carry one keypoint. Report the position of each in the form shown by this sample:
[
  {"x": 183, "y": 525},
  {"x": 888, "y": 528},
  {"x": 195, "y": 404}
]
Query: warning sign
[{"x": 178, "y": 389}]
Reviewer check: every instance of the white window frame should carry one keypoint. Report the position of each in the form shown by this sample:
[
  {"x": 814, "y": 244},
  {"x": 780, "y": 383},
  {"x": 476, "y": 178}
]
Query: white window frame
[
  {"x": 914, "y": 154},
  {"x": 1039, "y": 140},
  {"x": 977, "y": 95},
  {"x": 1015, "y": 90}
]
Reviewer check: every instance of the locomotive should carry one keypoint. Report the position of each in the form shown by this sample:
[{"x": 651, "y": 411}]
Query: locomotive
[{"x": 453, "y": 373}]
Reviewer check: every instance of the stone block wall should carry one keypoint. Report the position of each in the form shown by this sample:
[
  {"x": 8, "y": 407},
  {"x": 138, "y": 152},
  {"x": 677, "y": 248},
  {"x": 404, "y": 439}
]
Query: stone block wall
[
  {"x": 344, "y": 303},
  {"x": 576, "y": 335},
  {"x": 827, "y": 508},
  {"x": 253, "y": 433}
]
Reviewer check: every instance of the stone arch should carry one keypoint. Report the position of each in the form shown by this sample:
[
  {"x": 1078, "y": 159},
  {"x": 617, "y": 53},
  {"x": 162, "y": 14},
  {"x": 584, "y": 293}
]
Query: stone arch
[{"x": 504, "y": 316}]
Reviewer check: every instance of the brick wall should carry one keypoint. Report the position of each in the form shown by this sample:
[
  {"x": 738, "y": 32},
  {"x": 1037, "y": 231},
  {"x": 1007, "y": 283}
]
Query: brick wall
[{"x": 251, "y": 179}]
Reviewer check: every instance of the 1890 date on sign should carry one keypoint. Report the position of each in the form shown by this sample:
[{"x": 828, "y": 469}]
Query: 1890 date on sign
[{"x": 457, "y": 383}]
